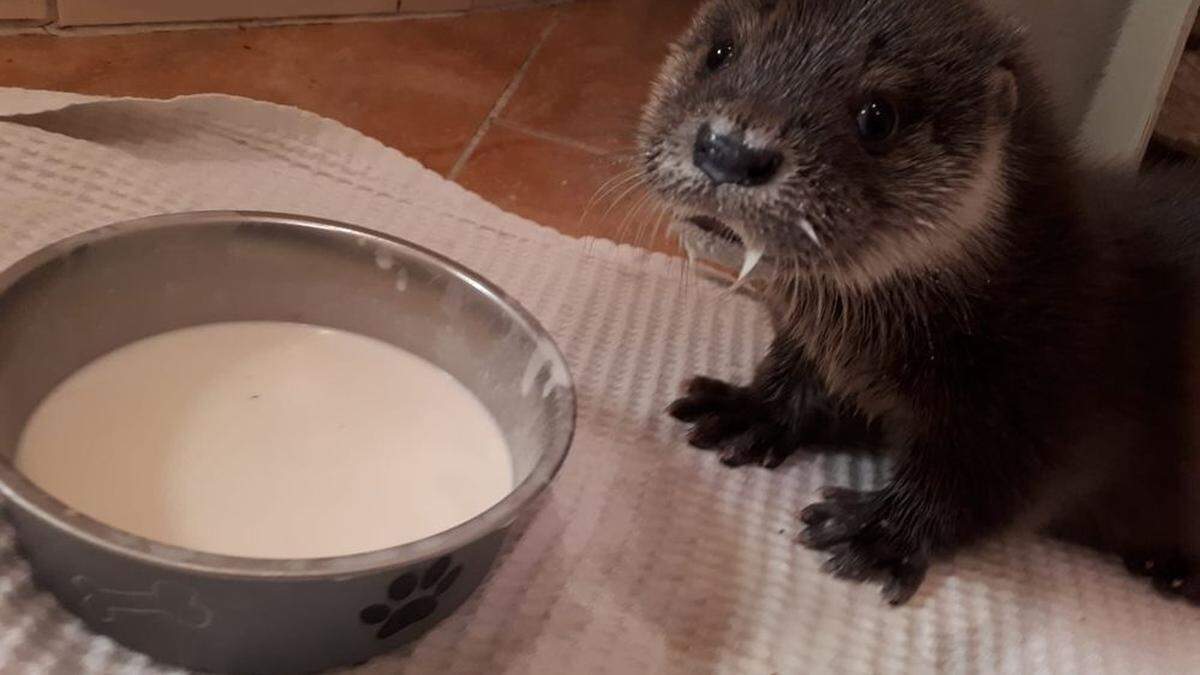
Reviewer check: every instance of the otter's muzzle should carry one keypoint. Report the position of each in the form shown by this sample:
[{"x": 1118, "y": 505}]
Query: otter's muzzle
[{"x": 727, "y": 159}]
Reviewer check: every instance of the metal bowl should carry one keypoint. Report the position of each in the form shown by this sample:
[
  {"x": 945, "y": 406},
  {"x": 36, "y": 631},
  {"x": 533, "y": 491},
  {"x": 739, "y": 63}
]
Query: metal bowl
[{"x": 81, "y": 298}]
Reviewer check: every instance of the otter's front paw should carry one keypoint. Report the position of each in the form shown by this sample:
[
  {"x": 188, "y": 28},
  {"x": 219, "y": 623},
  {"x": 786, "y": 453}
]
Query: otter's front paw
[
  {"x": 734, "y": 421},
  {"x": 867, "y": 542}
]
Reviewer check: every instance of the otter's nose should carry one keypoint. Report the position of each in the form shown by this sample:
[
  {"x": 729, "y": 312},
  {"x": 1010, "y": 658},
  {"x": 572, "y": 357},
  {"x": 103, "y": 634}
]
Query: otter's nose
[{"x": 725, "y": 159}]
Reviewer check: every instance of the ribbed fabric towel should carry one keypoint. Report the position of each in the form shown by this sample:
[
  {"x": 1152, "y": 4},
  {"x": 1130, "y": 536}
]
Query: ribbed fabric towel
[{"x": 648, "y": 556}]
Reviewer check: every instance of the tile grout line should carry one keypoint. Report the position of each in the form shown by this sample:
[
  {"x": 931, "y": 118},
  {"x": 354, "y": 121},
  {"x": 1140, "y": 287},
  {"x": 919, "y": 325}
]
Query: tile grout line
[
  {"x": 502, "y": 102},
  {"x": 555, "y": 138}
]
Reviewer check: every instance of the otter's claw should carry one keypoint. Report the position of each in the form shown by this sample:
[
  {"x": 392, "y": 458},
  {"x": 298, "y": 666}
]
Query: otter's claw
[
  {"x": 865, "y": 544},
  {"x": 733, "y": 421}
]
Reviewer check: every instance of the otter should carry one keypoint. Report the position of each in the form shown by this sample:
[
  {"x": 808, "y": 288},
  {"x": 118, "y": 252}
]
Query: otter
[{"x": 945, "y": 279}]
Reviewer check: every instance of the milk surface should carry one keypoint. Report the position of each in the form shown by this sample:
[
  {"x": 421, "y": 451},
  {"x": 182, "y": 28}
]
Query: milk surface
[{"x": 270, "y": 440}]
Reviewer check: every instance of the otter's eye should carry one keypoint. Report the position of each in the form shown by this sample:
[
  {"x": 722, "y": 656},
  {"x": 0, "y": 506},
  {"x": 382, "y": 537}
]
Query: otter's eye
[
  {"x": 719, "y": 55},
  {"x": 877, "y": 121}
]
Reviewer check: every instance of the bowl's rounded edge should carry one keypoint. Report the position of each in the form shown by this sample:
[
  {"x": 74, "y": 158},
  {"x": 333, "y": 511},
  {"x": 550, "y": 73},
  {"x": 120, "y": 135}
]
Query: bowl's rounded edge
[{"x": 23, "y": 494}]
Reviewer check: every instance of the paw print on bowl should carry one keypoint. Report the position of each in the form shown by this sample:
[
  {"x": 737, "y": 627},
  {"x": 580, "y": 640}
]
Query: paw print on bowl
[{"x": 412, "y": 598}]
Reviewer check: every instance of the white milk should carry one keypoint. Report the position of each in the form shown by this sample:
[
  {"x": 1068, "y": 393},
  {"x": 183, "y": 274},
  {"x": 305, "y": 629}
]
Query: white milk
[{"x": 269, "y": 440}]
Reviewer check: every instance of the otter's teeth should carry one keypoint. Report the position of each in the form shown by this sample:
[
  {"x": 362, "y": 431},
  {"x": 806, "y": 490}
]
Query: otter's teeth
[
  {"x": 690, "y": 249},
  {"x": 754, "y": 255},
  {"x": 809, "y": 230}
]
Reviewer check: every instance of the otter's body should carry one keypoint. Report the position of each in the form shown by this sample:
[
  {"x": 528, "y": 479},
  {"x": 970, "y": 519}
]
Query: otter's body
[{"x": 937, "y": 266}]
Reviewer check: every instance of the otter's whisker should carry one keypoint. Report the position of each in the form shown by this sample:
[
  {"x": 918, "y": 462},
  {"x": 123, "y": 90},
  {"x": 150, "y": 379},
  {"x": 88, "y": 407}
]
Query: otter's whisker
[
  {"x": 608, "y": 187},
  {"x": 664, "y": 221},
  {"x": 629, "y": 188},
  {"x": 630, "y": 217}
]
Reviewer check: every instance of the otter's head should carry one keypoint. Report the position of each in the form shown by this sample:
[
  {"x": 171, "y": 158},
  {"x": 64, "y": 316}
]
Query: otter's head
[{"x": 853, "y": 138}]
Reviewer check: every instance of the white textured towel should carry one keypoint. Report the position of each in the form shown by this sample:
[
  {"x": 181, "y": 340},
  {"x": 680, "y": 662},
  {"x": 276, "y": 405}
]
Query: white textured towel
[{"x": 648, "y": 556}]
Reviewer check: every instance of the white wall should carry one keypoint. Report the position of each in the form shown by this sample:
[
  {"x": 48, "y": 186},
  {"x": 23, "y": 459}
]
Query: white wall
[
  {"x": 1121, "y": 120},
  {"x": 1108, "y": 64},
  {"x": 1072, "y": 39}
]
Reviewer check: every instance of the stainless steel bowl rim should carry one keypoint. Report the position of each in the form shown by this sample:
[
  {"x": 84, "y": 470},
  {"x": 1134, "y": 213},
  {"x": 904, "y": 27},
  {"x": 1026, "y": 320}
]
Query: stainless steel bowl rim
[{"x": 22, "y": 492}]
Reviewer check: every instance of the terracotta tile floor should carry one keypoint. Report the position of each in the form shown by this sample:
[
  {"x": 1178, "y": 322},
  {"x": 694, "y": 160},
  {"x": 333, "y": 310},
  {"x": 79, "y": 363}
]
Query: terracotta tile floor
[{"x": 534, "y": 109}]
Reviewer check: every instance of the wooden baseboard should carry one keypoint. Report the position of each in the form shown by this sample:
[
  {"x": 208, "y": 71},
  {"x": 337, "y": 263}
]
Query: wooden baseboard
[
  {"x": 25, "y": 10},
  {"x": 83, "y": 13}
]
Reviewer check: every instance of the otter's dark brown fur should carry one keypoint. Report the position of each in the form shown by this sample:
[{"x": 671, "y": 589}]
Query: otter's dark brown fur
[{"x": 939, "y": 267}]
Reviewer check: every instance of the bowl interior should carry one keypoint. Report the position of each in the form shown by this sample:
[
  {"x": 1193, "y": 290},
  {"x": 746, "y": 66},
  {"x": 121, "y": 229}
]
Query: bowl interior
[{"x": 82, "y": 298}]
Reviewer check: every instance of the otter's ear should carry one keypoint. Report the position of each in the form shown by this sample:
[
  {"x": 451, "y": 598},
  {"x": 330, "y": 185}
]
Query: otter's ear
[{"x": 1003, "y": 91}]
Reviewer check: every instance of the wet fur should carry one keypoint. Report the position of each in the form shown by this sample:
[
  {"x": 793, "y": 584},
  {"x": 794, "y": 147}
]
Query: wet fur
[{"x": 1032, "y": 362}]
